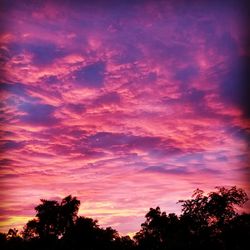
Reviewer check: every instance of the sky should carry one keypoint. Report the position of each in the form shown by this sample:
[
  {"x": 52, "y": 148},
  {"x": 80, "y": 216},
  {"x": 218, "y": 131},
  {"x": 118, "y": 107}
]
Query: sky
[{"x": 126, "y": 105}]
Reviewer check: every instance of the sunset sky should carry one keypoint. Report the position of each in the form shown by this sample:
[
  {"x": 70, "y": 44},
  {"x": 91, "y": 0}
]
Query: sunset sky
[{"x": 125, "y": 104}]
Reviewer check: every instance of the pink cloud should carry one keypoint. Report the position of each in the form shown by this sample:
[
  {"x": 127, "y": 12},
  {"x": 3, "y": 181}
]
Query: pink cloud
[{"x": 126, "y": 106}]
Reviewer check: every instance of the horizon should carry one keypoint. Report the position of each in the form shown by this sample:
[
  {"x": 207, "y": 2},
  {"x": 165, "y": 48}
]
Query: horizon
[
  {"x": 238, "y": 209},
  {"x": 126, "y": 105}
]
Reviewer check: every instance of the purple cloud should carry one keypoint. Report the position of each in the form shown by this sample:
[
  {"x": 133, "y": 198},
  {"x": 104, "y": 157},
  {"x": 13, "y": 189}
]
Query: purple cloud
[
  {"x": 44, "y": 53},
  {"x": 109, "y": 98},
  {"x": 7, "y": 145},
  {"x": 38, "y": 114},
  {"x": 164, "y": 170},
  {"x": 76, "y": 108},
  {"x": 91, "y": 75}
]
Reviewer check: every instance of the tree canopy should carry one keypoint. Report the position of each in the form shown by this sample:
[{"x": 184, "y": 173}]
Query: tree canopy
[{"x": 207, "y": 222}]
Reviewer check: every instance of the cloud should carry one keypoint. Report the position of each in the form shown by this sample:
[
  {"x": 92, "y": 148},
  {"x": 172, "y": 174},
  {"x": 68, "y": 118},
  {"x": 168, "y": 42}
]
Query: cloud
[
  {"x": 17, "y": 89},
  {"x": 91, "y": 75},
  {"x": 210, "y": 171},
  {"x": 49, "y": 79},
  {"x": 6, "y": 161},
  {"x": 118, "y": 141},
  {"x": 128, "y": 53},
  {"x": 76, "y": 108},
  {"x": 186, "y": 74},
  {"x": 43, "y": 53},
  {"x": 7, "y": 145},
  {"x": 108, "y": 99},
  {"x": 163, "y": 170},
  {"x": 234, "y": 87},
  {"x": 38, "y": 114},
  {"x": 124, "y": 105}
]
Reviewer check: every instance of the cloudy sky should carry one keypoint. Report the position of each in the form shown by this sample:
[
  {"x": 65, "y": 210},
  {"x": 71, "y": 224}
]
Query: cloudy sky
[{"x": 125, "y": 104}]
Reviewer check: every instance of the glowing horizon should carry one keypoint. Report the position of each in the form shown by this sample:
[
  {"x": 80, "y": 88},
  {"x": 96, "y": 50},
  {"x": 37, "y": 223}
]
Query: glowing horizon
[{"x": 126, "y": 106}]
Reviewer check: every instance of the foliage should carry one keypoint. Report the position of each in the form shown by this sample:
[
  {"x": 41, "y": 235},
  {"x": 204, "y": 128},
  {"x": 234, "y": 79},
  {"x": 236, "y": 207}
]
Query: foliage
[
  {"x": 52, "y": 219},
  {"x": 207, "y": 222},
  {"x": 215, "y": 208}
]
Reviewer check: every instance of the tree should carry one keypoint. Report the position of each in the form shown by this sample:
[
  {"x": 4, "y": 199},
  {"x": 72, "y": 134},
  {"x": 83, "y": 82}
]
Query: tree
[
  {"x": 12, "y": 233},
  {"x": 52, "y": 218},
  {"x": 30, "y": 230},
  {"x": 3, "y": 240},
  {"x": 83, "y": 232},
  {"x": 47, "y": 225},
  {"x": 124, "y": 243},
  {"x": 13, "y": 239},
  {"x": 86, "y": 233},
  {"x": 159, "y": 231},
  {"x": 205, "y": 216},
  {"x": 236, "y": 233},
  {"x": 205, "y": 223},
  {"x": 217, "y": 207},
  {"x": 68, "y": 213}
]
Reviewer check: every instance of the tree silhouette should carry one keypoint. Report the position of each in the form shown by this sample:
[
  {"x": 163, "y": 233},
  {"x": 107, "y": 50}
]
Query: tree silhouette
[
  {"x": 86, "y": 233},
  {"x": 31, "y": 230},
  {"x": 12, "y": 233},
  {"x": 68, "y": 213},
  {"x": 11, "y": 240},
  {"x": 215, "y": 208},
  {"x": 52, "y": 219},
  {"x": 47, "y": 215},
  {"x": 3, "y": 241},
  {"x": 207, "y": 222},
  {"x": 206, "y": 216},
  {"x": 236, "y": 233},
  {"x": 82, "y": 233},
  {"x": 124, "y": 243},
  {"x": 159, "y": 231}
]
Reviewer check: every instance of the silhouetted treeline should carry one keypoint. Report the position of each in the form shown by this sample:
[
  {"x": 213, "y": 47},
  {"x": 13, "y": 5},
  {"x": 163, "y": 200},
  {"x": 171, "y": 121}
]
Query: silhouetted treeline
[{"x": 206, "y": 222}]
